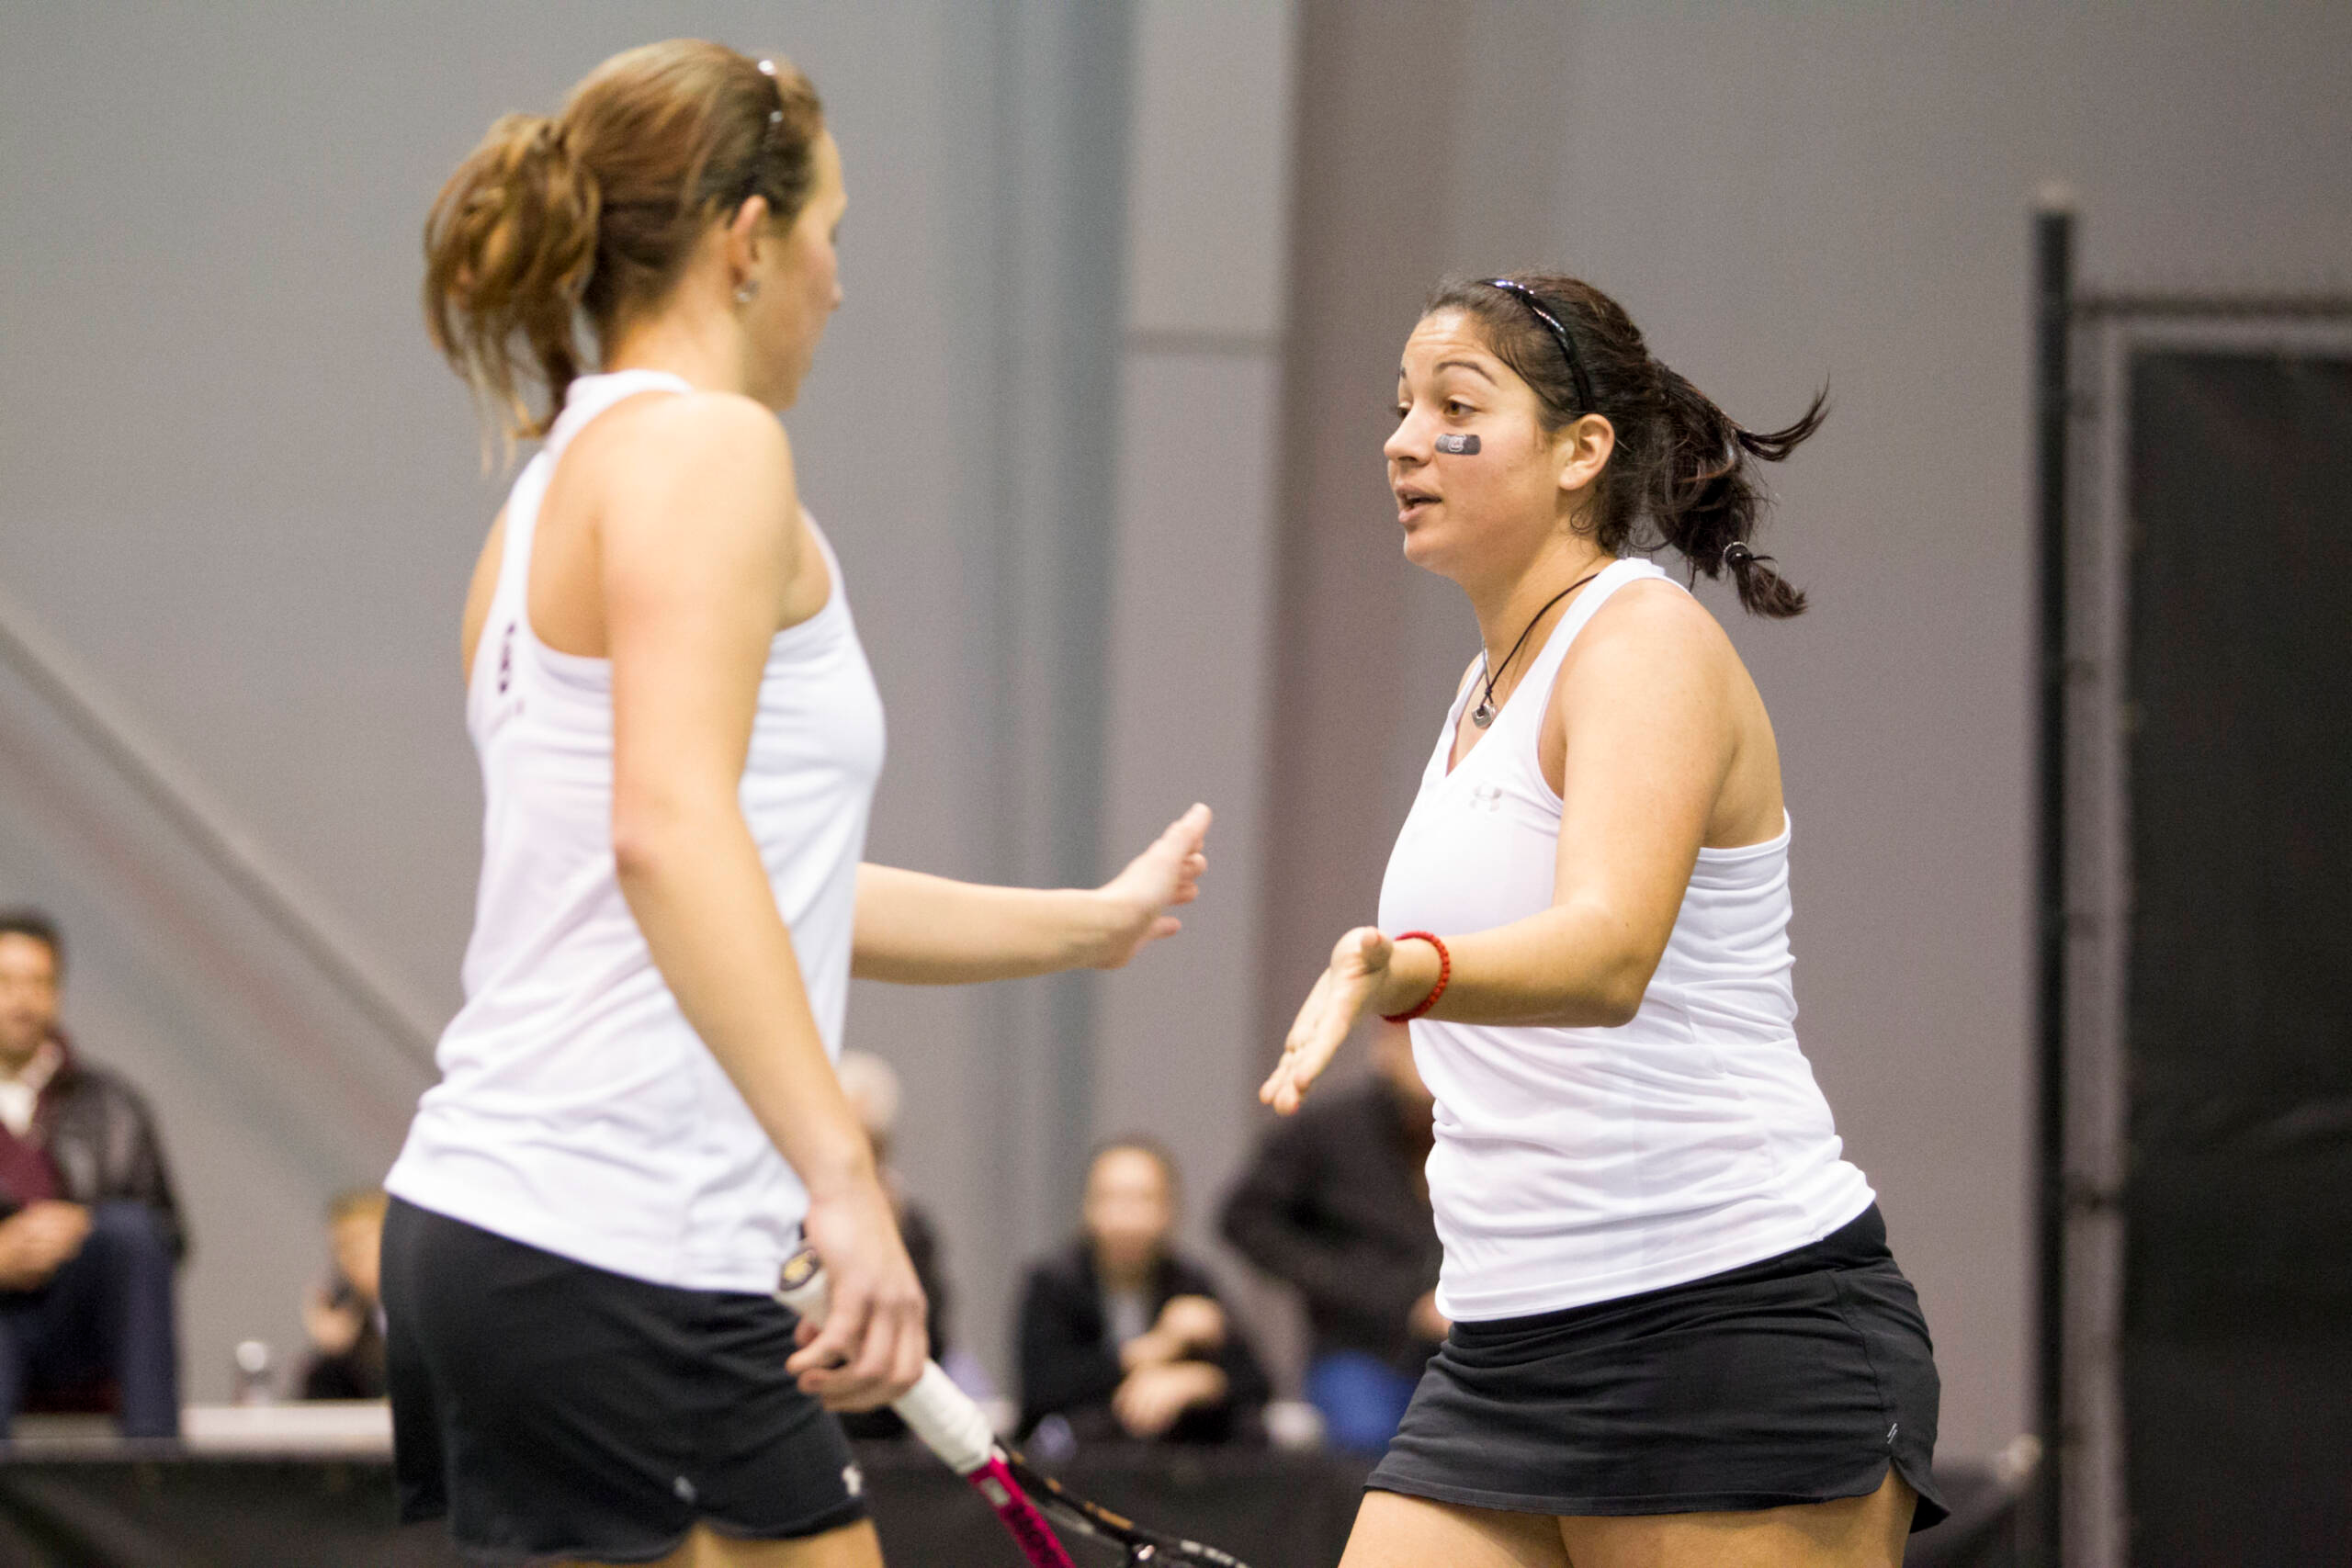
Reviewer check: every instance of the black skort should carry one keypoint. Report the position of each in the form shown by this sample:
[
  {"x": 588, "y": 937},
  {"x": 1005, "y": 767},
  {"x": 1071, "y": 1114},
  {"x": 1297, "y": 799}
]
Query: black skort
[
  {"x": 1797, "y": 1380},
  {"x": 554, "y": 1410}
]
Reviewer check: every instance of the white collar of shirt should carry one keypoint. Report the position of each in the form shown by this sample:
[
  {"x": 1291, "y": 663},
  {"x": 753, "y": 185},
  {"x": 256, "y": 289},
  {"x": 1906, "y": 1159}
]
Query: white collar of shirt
[{"x": 20, "y": 1094}]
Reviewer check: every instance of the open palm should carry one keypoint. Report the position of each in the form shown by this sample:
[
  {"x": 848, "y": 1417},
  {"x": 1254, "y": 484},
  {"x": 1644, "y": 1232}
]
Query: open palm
[{"x": 1359, "y": 964}]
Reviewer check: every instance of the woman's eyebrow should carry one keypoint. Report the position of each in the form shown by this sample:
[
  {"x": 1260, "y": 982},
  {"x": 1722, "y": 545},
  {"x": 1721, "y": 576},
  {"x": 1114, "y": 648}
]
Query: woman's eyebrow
[{"x": 1465, "y": 364}]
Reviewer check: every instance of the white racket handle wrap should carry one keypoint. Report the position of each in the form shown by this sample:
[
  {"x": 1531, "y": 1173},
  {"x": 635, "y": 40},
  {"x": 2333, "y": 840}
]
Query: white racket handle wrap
[
  {"x": 935, "y": 1410},
  {"x": 945, "y": 1418}
]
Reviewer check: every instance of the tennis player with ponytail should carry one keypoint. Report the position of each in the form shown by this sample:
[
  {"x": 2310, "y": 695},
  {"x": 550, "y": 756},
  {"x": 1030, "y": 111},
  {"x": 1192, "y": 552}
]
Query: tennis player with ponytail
[
  {"x": 1678, "y": 1339},
  {"x": 638, "y": 1120}
]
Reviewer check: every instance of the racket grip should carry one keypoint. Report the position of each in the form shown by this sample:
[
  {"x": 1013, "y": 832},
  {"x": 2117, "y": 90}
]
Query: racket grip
[
  {"x": 935, "y": 1410},
  {"x": 801, "y": 1285},
  {"x": 949, "y": 1423}
]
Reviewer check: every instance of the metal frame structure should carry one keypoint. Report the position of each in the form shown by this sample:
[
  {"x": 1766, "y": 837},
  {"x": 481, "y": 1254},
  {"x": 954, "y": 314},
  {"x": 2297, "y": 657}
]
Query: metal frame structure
[{"x": 2085, "y": 341}]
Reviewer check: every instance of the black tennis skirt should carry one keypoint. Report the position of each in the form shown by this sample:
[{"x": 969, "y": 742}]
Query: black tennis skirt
[
  {"x": 1797, "y": 1380},
  {"x": 554, "y": 1411}
]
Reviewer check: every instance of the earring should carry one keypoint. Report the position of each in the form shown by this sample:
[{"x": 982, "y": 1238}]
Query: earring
[{"x": 747, "y": 291}]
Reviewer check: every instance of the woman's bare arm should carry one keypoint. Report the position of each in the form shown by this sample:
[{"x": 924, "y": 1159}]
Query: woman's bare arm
[
  {"x": 1646, "y": 699},
  {"x": 702, "y": 541},
  {"x": 918, "y": 930}
]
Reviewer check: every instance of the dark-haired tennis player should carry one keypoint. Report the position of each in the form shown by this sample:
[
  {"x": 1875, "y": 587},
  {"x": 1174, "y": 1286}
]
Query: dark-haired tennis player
[{"x": 1678, "y": 1339}]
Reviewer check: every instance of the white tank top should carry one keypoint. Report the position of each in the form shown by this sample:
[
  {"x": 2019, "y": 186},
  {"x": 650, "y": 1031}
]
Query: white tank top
[
  {"x": 578, "y": 1110},
  {"x": 1577, "y": 1165}
]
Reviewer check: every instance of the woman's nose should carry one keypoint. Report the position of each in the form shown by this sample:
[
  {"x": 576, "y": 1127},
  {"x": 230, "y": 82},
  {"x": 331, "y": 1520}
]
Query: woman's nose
[{"x": 1406, "y": 442}]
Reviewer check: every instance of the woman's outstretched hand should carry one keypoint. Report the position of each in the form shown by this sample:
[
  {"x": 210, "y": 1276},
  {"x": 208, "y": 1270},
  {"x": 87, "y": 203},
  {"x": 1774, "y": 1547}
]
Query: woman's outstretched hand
[
  {"x": 1137, "y": 900},
  {"x": 1358, "y": 967}
]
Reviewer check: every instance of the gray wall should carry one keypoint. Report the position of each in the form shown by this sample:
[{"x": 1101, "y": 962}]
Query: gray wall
[
  {"x": 1194, "y": 597},
  {"x": 1781, "y": 195}
]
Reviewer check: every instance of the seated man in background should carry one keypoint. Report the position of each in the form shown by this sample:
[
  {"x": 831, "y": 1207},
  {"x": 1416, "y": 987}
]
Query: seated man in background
[
  {"x": 1336, "y": 1203},
  {"x": 345, "y": 1315},
  {"x": 89, "y": 1232},
  {"x": 1120, "y": 1336}
]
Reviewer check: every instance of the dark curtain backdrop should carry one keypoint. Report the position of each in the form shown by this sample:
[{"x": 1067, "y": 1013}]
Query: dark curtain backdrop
[{"x": 2238, "y": 1263}]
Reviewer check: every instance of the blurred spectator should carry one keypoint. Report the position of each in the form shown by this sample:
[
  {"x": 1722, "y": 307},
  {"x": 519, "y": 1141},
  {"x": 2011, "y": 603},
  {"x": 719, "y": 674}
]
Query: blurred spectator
[
  {"x": 872, "y": 1086},
  {"x": 1337, "y": 1203},
  {"x": 344, "y": 1316},
  {"x": 1120, "y": 1336},
  {"x": 89, "y": 1232}
]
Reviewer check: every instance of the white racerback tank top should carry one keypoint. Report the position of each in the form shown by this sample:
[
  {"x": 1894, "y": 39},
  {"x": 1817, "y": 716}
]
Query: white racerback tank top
[
  {"x": 1577, "y": 1164},
  {"x": 578, "y": 1110}
]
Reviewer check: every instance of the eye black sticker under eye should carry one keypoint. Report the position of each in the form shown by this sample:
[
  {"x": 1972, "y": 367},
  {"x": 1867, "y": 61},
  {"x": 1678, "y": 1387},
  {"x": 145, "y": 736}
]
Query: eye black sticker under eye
[{"x": 1459, "y": 446}]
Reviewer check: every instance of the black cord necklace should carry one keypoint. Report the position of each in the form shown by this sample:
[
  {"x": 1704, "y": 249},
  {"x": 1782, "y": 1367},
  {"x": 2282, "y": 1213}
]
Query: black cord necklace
[{"x": 1484, "y": 713}]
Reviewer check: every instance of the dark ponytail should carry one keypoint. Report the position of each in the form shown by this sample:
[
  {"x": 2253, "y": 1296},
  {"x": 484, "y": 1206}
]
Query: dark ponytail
[
  {"x": 589, "y": 216},
  {"x": 1683, "y": 472},
  {"x": 1704, "y": 497}
]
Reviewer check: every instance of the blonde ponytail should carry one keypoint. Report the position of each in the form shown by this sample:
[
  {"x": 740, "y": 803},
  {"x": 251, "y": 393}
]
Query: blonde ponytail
[
  {"x": 588, "y": 218},
  {"x": 509, "y": 248}
]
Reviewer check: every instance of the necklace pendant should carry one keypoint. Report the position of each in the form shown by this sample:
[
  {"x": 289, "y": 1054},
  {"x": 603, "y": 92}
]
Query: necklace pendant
[{"x": 1483, "y": 715}]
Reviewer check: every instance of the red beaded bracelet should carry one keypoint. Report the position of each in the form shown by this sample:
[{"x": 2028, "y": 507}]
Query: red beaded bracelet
[{"x": 1444, "y": 973}]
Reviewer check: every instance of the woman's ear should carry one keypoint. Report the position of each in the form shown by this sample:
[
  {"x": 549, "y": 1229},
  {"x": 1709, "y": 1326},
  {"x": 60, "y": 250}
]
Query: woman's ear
[
  {"x": 1582, "y": 448},
  {"x": 743, "y": 233}
]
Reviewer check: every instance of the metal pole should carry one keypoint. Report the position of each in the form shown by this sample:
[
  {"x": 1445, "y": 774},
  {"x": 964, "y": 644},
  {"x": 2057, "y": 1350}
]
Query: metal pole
[{"x": 2054, "y": 246}]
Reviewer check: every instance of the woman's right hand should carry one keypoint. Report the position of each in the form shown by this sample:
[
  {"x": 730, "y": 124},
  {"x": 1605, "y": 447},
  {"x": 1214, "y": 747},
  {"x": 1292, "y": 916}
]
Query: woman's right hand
[
  {"x": 1188, "y": 1326},
  {"x": 1150, "y": 1399},
  {"x": 873, "y": 1344},
  {"x": 1358, "y": 970}
]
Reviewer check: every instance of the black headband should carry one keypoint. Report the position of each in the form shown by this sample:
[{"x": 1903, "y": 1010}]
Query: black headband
[{"x": 1526, "y": 295}]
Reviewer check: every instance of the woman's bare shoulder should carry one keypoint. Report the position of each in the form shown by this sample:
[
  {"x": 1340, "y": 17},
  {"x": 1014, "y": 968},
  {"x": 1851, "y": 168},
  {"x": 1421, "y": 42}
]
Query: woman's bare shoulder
[
  {"x": 1652, "y": 638},
  {"x": 700, "y": 465},
  {"x": 1655, "y": 622},
  {"x": 709, "y": 435}
]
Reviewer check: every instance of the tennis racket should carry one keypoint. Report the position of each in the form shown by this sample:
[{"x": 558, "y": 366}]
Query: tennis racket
[{"x": 1022, "y": 1497}]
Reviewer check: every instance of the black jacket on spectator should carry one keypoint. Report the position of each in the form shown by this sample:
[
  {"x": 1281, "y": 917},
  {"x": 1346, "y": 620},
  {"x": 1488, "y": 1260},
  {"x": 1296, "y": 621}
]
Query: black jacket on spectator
[
  {"x": 1069, "y": 1367},
  {"x": 1335, "y": 1203},
  {"x": 101, "y": 1137},
  {"x": 358, "y": 1372}
]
